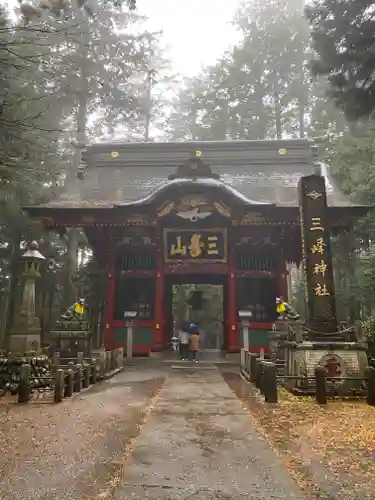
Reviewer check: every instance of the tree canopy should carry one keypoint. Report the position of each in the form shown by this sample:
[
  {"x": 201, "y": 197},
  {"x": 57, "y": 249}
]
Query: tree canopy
[
  {"x": 65, "y": 77},
  {"x": 261, "y": 88},
  {"x": 343, "y": 39}
]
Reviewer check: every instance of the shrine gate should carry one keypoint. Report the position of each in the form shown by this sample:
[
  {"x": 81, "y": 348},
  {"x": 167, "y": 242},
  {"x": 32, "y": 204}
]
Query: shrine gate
[{"x": 226, "y": 213}]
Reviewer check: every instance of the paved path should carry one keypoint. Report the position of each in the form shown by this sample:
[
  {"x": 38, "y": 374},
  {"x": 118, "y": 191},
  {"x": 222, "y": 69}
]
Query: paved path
[
  {"x": 70, "y": 451},
  {"x": 198, "y": 443}
]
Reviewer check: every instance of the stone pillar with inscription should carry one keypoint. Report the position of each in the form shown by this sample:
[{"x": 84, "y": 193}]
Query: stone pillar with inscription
[
  {"x": 341, "y": 353},
  {"x": 316, "y": 254}
]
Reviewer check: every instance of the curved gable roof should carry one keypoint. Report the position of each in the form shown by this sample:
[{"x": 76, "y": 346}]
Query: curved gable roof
[
  {"x": 179, "y": 187},
  {"x": 252, "y": 172}
]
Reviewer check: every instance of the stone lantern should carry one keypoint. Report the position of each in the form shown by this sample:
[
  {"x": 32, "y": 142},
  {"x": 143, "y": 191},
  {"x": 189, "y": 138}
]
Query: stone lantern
[{"x": 25, "y": 334}]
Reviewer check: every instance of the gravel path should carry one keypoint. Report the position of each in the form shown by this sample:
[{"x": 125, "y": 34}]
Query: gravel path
[
  {"x": 70, "y": 450},
  {"x": 198, "y": 443}
]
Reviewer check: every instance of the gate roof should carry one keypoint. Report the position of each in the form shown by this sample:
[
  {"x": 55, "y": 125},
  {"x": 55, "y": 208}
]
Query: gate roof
[{"x": 252, "y": 172}]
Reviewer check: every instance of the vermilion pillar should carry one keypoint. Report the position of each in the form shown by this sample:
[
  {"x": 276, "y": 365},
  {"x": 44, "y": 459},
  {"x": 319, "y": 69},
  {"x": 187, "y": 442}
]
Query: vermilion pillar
[
  {"x": 159, "y": 325},
  {"x": 110, "y": 302},
  {"x": 232, "y": 333}
]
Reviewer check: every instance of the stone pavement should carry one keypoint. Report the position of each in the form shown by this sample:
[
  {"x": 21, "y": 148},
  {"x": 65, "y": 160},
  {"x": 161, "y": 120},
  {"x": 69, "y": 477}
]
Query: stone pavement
[
  {"x": 198, "y": 443},
  {"x": 187, "y": 439}
]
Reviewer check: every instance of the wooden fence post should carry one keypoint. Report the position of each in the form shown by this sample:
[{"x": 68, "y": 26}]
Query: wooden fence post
[
  {"x": 24, "y": 387},
  {"x": 257, "y": 372},
  {"x": 108, "y": 361},
  {"x": 86, "y": 377},
  {"x": 270, "y": 382},
  {"x": 261, "y": 380},
  {"x": 102, "y": 360},
  {"x": 113, "y": 359},
  {"x": 370, "y": 380},
  {"x": 242, "y": 359},
  {"x": 69, "y": 388},
  {"x": 320, "y": 384},
  {"x": 59, "y": 386},
  {"x": 93, "y": 371},
  {"x": 253, "y": 358},
  {"x": 56, "y": 361},
  {"x": 248, "y": 365},
  {"x": 78, "y": 379},
  {"x": 101, "y": 368}
]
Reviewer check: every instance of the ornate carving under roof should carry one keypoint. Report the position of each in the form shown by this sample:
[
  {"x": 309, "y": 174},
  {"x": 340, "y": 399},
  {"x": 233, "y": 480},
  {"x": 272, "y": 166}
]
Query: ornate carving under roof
[{"x": 194, "y": 168}]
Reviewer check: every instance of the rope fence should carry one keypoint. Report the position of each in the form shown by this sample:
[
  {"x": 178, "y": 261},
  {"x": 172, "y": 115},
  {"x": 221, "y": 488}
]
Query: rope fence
[
  {"x": 263, "y": 374},
  {"x": 62, "y": 377}
]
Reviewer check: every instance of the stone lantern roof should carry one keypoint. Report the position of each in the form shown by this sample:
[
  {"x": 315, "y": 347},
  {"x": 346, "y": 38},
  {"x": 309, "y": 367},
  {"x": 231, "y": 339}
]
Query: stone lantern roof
[{"x": 32, "y": 253}]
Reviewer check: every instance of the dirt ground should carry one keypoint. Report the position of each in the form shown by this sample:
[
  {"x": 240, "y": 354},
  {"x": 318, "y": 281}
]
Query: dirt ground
[
  {"x": 330, "y": 450},
  {"x": 73, "y": 450}
]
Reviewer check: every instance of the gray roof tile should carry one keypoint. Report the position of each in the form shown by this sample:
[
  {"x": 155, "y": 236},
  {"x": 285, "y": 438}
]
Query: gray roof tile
[{"x": 253, "y": 168}]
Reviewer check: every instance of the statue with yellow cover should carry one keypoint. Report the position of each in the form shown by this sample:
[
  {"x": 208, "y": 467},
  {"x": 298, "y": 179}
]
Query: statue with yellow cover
[
  {"x": 75, "y": 311},
  {"x": 285, "y": 310}
]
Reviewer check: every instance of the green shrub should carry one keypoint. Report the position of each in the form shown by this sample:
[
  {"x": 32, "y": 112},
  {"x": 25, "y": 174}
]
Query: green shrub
[{"x": 369, "y": 329}]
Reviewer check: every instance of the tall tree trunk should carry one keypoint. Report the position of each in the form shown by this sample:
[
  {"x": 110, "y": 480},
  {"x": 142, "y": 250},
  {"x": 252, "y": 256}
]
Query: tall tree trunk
[
  {"x": 276, "y": 96},
  {"x": 71, "y": 263},
  {"x": 69, "y": 293},
  {"x": 148, "y": 116},
  {"x": 302, "y": 103},
  {"x": 10, "y": 306},
  {"x": 262, "y": 132}
]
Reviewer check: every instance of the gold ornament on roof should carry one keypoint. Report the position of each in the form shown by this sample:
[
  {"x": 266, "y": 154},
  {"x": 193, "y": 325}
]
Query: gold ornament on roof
[
  {"x": 165, "y": 210},
  {"x": 222, "y": 209},
  {"x": 283, "y": 152},
  {"x": 195, "y": 154},
  {"x": 194, "y": 201},
  {"x": 114, "y": 154},
  {"x": 314, "y": 195}
]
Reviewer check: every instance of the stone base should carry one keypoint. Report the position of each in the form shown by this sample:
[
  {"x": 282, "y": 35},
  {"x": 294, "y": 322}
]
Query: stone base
[
  {"x": 71, "y": 325},
  {"x": 23, "y": 342},
  {"x": 70, "y": 341},
  {"x": 342, "y": 361}
]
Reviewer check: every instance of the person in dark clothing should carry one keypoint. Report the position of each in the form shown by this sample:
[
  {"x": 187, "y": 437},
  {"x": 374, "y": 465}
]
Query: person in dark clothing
[{"x": 183, "y": 336}]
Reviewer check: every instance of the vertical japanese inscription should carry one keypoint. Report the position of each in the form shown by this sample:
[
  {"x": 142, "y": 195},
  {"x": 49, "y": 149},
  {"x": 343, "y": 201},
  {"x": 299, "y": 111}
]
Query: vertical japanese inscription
[{"x": 316, "y": 254}]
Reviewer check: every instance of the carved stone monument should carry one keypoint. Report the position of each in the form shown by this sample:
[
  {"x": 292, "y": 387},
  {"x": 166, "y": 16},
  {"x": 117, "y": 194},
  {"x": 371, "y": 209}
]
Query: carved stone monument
[
  {"x": 25, "y": 332},
  {"x": 320, "y": 342}
]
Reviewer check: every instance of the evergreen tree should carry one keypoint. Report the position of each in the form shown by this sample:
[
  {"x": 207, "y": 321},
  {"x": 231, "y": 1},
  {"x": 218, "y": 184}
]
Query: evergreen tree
[
  {"x": 258, "y": 90},
  {"x": 342, "y": 33},
  {"x": 60, "y": 75}
]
